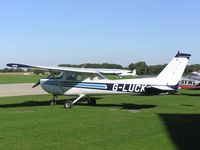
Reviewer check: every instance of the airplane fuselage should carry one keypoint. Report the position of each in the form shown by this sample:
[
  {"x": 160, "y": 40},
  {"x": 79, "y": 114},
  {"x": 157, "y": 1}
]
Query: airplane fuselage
[{"x": 105, "y": 86}]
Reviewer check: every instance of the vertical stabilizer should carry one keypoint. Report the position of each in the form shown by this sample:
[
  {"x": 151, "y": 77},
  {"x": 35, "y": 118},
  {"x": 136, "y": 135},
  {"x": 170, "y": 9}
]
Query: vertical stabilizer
[{"x": 173, "y": 72}]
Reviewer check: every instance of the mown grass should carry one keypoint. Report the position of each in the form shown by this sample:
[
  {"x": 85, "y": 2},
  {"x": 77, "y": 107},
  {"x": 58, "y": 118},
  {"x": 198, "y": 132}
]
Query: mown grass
[
  {"x": 9, "y": 79},
  {"x": 117, "y": 122}
]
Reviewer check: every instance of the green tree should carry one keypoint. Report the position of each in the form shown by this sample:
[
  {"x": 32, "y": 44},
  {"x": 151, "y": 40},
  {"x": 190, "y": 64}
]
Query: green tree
[
  {"x": 141, "y": 67},
  {"x": 155, "y": 69}
]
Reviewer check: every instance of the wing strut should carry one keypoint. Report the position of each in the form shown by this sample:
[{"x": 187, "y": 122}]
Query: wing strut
[{"x": 78, "y": 98}]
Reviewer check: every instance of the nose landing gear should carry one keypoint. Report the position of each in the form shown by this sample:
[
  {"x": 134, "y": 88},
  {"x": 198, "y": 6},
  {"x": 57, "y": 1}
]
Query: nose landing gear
[{"x": 53, "y": 100}]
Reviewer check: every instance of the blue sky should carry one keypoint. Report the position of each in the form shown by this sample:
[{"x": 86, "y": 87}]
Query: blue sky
[{"x": 50, "y": 32}]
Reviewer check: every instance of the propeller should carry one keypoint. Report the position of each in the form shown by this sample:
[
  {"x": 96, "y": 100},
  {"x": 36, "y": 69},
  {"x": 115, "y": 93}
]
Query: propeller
[{"x": 36, "y": 84}]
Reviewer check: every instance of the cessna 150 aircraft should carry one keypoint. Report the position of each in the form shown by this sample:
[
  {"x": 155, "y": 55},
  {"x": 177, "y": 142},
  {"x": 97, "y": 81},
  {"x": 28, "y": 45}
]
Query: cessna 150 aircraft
[{"x": 86, "y": 82}]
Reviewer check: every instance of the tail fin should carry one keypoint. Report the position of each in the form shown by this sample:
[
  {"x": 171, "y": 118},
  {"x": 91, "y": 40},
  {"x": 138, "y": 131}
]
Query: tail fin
[
  {"x": 173, "y": 72},
  {"x": 133, "y": 73}
]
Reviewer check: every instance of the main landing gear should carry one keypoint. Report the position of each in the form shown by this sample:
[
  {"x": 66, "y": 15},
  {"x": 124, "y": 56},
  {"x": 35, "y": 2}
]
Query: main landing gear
[
  {"x": 69, "y": 103},
  {"x": 91, "y": 101}
]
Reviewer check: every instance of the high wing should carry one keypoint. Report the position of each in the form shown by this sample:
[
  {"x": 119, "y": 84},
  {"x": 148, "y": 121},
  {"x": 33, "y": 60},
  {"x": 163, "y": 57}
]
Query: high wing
[
  {"x": 71, "y": 69},
  {"x": 109, "y": 71}
]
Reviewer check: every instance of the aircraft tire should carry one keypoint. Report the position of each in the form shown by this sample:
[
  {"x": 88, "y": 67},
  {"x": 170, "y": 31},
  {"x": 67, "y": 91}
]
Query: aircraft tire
[{"x": 68, "y": 104}]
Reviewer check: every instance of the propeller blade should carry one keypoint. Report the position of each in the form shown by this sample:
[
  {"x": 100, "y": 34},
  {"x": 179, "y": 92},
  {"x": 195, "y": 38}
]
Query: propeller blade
[{"x": 36, "y": 84}]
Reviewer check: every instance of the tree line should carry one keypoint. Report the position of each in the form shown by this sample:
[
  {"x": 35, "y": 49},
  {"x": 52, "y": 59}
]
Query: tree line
[
  {"x": 141, "y": 67},
  {"x": 6, "y": 70}
]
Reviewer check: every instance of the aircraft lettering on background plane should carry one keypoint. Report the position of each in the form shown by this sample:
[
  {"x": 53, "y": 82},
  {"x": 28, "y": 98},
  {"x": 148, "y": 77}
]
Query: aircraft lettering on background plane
[
  {"x": 192, "y": 81},
  {"x": 82, "y": 82}
]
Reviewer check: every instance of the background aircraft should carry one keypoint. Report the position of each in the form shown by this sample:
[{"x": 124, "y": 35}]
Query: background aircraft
[
  {"x": 192, "y": 81},
  {"x": 85, "y": 82},
  {"x": 127, "y": 73}
]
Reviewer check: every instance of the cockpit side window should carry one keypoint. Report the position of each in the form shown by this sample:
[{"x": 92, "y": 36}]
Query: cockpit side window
[{"x": 77, "y": 76}]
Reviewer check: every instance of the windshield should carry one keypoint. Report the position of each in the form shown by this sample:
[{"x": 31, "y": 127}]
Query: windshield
[{"x": 194, "y": 77}]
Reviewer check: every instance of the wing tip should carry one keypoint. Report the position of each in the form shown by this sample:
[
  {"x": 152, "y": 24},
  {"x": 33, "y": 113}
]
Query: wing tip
[{"x": 15, "y": 65}]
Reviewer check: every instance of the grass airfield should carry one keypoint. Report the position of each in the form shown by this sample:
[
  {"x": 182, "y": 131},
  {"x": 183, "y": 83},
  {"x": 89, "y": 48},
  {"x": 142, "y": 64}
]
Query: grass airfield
[
  {"x": 16, "y": 78},
  {"x": 119, "y": 122}
]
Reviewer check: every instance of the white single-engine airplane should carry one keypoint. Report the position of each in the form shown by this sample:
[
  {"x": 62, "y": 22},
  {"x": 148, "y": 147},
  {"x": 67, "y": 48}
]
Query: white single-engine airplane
[{"x": 86, "y": 82}]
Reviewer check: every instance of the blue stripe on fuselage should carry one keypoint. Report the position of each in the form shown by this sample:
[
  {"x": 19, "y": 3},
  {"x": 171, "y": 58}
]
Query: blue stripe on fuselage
[
  {"x": 91, "y": 85},
  {"x": 77, "y": 84}
]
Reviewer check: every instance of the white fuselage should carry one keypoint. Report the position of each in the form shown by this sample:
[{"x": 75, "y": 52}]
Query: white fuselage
[{"x": 96, "y": 87}]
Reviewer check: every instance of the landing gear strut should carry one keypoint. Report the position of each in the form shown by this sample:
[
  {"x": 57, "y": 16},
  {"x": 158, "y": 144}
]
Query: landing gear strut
[{"x": 53, "y": 100}]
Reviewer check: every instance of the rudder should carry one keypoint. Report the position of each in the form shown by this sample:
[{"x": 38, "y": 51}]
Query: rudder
[{"x": 173, "y": 72}]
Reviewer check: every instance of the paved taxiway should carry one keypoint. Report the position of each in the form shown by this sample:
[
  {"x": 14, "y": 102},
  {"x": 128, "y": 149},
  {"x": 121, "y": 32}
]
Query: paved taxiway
[{"x": 20, "y": 89}]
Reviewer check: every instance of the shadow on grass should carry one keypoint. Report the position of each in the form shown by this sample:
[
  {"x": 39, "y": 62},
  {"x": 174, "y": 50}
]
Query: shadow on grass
[
  {"x": 188, "y": 105},
  {"x": 32, "y": 103},
  {"x": 29, "y": 103},
  {"x": 184, "y": 130},
  {"x": 128, "y": 106},
  {"x": 190, "y": 94},
  {"x": 194, "y": 89}
]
